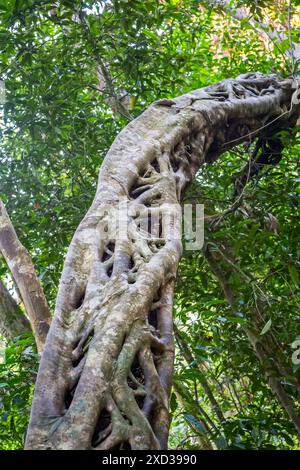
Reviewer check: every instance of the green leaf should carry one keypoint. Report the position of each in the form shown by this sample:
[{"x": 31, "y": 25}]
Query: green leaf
[
  {"x": 195, "y": 422},
  {"x": 221, "y": 442},
  {"x": 266, "y": 327},
  {"x": 294, "y": 274}
]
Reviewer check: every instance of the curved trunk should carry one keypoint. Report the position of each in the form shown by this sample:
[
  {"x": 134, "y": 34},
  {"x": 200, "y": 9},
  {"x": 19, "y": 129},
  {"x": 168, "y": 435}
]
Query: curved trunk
[{"x": 106, "y": 371}]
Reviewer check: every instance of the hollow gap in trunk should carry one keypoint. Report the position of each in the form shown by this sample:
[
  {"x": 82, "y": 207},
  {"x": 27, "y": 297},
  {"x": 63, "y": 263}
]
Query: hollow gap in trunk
[
  {"x": 152, "y": 317},
  {"x": 137, "y": 190},
  {"x": 155, "y": 165},
  {"x": 108, "y": 252},
  {"x": 175, "y": 164},
  {"x": 69, "y": 397},
  {"x": 81, "y": 349},
  {"x": 140, "y": 402},
  {"x": 125, "y": 446},
  {"x": 156, "y": 198},
  {"x": 131, "y": 263},
  {"x": 213, "y": 151},
  {"x": 156, "y": 356},
  {"x": 131, "y": 384},
  {"x": 80, "y": 300},
  {"x": 103, "y": 428},
  {"x": 76, "y": 360},
  {"x": 109, "y": 270},
  {"x": 188, "y": 150},
  {"x": 139, "y": 398},
  {"x": 149, "y": 224},
  {"x": 137, "y": 371},
  {"x": 151, "y": 415}
]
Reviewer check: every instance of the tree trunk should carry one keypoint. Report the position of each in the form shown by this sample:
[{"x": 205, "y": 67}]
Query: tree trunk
[
  {"x": 12, "y": 320},
  {"x": 106, "y": 371},
  {"x": 21, "y": 266}
]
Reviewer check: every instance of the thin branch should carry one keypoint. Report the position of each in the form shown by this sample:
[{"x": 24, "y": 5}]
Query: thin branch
[
  {"x": 114, "y": 100},
  {"x": 21, "y": 266},
  {"x": 187, "y": 354},
  {"x": 262, "y": 347},
  {"x": 12, "y": 320}
]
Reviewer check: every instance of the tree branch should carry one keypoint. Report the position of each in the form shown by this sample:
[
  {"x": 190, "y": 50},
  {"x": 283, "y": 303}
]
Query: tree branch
[
  {"x": 21, "y": 266},
  {"x": 114, "y": 100},
  {"x": 263, "y": 348},
  {"x": 190, "y": 406},
  {"x": 113, "y": 316},
  {"x": 12, "y": 320}
]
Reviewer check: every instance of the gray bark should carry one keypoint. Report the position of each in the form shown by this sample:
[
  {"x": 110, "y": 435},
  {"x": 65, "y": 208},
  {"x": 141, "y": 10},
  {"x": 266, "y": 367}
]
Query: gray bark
[
  {"x": 22, "y": 269},
  {"x": 106, "y": 371},
  {"x": 12, "y": 320}
]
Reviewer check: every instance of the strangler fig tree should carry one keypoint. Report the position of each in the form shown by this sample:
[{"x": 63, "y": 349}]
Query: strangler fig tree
[{"x": 106, "y": 370}]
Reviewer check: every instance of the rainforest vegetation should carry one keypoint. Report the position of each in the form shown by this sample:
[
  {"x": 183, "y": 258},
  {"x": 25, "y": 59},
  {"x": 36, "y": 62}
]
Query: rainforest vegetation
[{"x": 185, "y": 102}]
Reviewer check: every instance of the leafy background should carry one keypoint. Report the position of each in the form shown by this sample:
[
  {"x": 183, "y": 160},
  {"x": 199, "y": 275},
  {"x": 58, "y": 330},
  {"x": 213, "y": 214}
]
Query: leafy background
[{"x": 58, "y": 121}]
